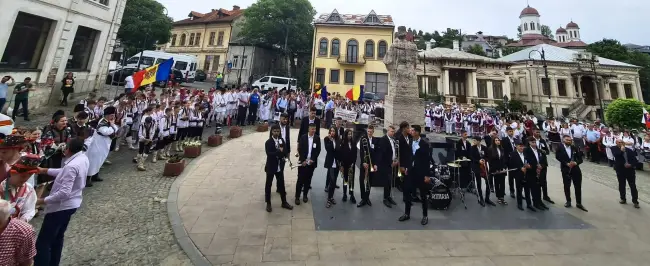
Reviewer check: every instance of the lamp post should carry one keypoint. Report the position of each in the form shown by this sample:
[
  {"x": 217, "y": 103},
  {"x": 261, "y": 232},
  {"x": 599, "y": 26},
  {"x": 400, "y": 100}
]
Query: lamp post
[
  {"x": 531, "y": 61},
  {"x": 589, "y": 60},
  {"x": 505, "y": 105}
]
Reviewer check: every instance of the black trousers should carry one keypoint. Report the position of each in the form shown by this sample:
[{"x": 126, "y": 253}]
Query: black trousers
[
  {"x": 543, "y": 185},
  {"x": 348, "y": 178},
  {"x": 49, "y": 244},
  {"x": 595, "y": 153},
  {"x": 329, "y": 116},
  {"x": 279, "y": 176},
  {"x": 567, "y": 179},
  {"x": 252, "y": 113},
  {"x": 627, "y": 175},
  {"x": 411, "y": 183},
  {"x": 332, "y": 176},
  {"x": 241, "y": 116},
  {"x": 387, "y": 177},
  {"x": 19, "y": 103},
  {"x": 479, "y": 185},
  {"x": 533, "y": 184},
  {"x": 144, "y": 148},
  {"x": 364, "y": 188},
  {"x": 292, "y": 115},
  {"x": 511, "y": 183},
  {"x": 303, "y": 183},
  {"x": 500, "y": 185},
  {"x": 521, "y": 185}
]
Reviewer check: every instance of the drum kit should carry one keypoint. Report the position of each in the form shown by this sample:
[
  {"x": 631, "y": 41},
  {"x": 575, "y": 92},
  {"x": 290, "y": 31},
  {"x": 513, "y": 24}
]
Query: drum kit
[{"x": 444, "y": 185}]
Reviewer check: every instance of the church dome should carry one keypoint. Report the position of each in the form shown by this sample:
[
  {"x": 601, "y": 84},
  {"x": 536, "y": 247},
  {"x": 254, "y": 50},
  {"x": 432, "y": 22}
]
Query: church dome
[
  {"x": 529, "y": 11},
  {"x": 572, "y": 25},
  {"x": 560, "y": 30}
]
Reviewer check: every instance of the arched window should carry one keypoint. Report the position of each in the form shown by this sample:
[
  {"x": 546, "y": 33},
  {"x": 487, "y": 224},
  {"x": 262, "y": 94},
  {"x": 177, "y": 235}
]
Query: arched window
[
  {"x": 173, "y": 40},
  {"x": 370, "y": 49},
  {"x": 191, "y": 39},
  {"x": 322, "y": 47},
  {"x": 336, "y": 46},
  {"x": 182, "y": 40},
  {"x": 532, "y": 26},
  {"x": 525, "y": 26},
  {"x": 539, "y": 27},
  {"x": 571, "y": 34},
  {"x": 381, "y": 50},
  {"x": 352, "y": 51}
]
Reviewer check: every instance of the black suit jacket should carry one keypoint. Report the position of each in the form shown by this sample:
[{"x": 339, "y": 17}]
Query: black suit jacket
[
  {"x": 507, "y": 146},
  {"x": 303, "y": 150},
  {"x": 274, "y": 156},
  {"x": 496, "y": 162},
  {"x": 348, "y": 153},
  {"x": 405, "y": 151},
  {"x": 287, "y": 131},
  {"x": 564, "y": 158},
  {"x": 332, "y": 153},
  {"x": 488, "y": 140},
  {"x": 515, "y": 162},
  {"x": 543, "y": 146},
  {"x": 304, "y": 126},
  {"x": 384, "y": 155},
  {"x": 476, "y": 156},
  {"x": 532, "y": 160},
  {"x": 373, "y": 144},
  {"x": 339, "y": 132},
  {"x": 421, "y": 160},
  {"x": 463, "y": 148},
  {"x": 619, "y": 160}
]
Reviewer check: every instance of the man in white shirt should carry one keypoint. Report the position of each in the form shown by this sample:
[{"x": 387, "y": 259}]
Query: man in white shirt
[
  {"x": 242, "y": 103},
  {"x": 578, "y": 132},
  {"x": 128, "y": 84}
]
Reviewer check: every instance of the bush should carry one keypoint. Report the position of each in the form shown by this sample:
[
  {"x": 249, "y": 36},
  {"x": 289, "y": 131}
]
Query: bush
[
  {"x": 625, "y": 113},
  {"x": 176, "y": 158}
]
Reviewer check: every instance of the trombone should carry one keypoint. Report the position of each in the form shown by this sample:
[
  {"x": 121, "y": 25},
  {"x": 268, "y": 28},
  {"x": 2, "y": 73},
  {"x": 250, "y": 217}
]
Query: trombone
[{"x": 367, "y": 160}]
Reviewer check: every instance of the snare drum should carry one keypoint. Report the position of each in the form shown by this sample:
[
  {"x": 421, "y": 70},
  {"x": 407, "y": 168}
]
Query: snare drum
[{"x": 439, "y": 197}]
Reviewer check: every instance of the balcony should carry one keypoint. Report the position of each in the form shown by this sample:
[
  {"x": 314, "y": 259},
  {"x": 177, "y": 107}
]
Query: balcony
[{"x": 351, "y": 60}]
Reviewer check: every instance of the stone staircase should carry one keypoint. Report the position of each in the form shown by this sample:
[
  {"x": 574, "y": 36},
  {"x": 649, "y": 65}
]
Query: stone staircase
[{"x": 573, "y": 108}]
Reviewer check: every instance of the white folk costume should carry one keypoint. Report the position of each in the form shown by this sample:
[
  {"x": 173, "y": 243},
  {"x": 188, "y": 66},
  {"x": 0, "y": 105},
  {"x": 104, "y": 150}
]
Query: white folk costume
[
  {"x": 437, "y": 119},
  {"x": 101, "y": 144},
  {"x": 427, "y": 118},
  {"x": 609, "y": 141},
  {"x": 459, "y": 122},
  {"x": 147, "y": 134},
  {"x": 449, "y": 122},
  {"x": 182, "y": 125},
  {"x": 265, "y": 109},
  {"x": 22, "y": 200}
]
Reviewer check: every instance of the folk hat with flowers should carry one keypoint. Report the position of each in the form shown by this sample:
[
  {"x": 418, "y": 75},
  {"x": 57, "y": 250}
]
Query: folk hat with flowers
[
  {"x": 9, "y": 137},
  {"x": 27, "y": 164}
]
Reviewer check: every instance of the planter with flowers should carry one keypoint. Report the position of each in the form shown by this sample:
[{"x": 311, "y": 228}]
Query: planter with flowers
[
  {"x": 174, "y": 165},
  {"x": 192, "y": 149},
  {"x": 215, "y": 140}
]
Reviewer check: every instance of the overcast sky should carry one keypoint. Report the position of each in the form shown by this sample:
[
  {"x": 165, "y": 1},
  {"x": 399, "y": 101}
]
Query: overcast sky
[{"x": 624, "y": 20}]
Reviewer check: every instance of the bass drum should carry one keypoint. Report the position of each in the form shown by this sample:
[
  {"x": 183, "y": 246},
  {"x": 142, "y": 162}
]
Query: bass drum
[{"x": 440, "y": 197}]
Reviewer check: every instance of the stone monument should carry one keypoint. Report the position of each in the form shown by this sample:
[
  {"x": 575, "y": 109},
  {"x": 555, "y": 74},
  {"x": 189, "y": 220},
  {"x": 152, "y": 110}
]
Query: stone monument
[{"x": 402, "y": 102}]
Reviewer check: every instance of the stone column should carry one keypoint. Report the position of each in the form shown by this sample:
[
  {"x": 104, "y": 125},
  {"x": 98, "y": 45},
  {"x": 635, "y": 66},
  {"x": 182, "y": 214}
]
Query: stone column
[
  {"x": 579, "y": 87},
  {"x": 620, "y": 89},
  {"x": 506, "y": 88},
  {"x": 490, "y": 90},
  {"x": 529, "y": 85},
  {"x": 635, "y": 92},
  {"x": 638, "y": 89},
  {"x": 570, "y": 88},
  {"x": 439, "y": 87},
  {"x": 473, "y": 86},
  {"x": 445, "y": 82},
  {"x": 553, "y": 87}
]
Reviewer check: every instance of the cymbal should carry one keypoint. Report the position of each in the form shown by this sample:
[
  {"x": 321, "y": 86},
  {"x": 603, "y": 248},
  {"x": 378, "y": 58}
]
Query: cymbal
[
  {"x": 463, "y": 160},
  {"x": 455, "y": 165}
]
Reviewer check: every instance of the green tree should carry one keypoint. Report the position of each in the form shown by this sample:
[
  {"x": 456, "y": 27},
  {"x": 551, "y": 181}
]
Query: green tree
[
  {"x": 144, "y": 24},
  {"x": 447, "y": 38},
  {"x": 510, "y": 50},
  {"x": 625, "y": 113},
  {"x": 513, "y": 106},
  {"x": 283, "y": 23},
  {"x": 477, "y": 50}
]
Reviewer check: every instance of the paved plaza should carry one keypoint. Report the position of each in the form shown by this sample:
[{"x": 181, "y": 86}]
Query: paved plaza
[{"x": 217, "y": 212}]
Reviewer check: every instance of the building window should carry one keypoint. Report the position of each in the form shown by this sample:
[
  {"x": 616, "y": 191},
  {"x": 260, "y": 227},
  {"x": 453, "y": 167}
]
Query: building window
[
  {"x": 628, "y": 90},
  {"x": 352, "y": 52},
  {"x": 482, "y": 88},
  {"x": 372, "y": 19},
  {"x": 497, "y": 89},
  {"x": 211, "y": 40},
  {"x": 103, "y": 2},
  {"x": 235, "y": 61},
  {"x": 334, "y": 17},
  {"x": 377, "y": 83},
  {"x": 26, "y": 42},
  {"x": 215, "y": 62},
  {"x": 191, "y": 42},
  {"x": 182, "y": 40},
  {"x": 532, "y": 26},
  {"x": 197, "y": 41},
  {"x": 336, "y": 46},
  {"x": 539, "y": 27},
  {"x": 173, "y": 43},
  {"x": 525, "y": 26},
  {"x": 565, "y": 112},
  {"x": 320, "y": 76},
  {"x": 335, "y": 75},
  {"x": 571, "y": 34},
  {"x": 244, "y": 60},
  {"x": 349, "y": 77},
  {"x": 206, "y": 65},
  {"x": 613, "y": 91},
  {"x": 381, "y": 51},
  {"x": 370, "y": 49},
  {"x": 561, "y": 87},
  {"x": 82, "y": 48},
  {"x": 220, "y": 39},
  {"x": 322, "y": 47},
  {"x": 546, "y": 87}
]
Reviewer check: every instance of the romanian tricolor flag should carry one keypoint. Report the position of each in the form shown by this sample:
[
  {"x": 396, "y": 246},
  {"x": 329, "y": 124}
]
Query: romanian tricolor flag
[
  {"x": 355, "y": 94},
  {"x": 159, "y": 72},
  {"x": 646, "y": 118}
]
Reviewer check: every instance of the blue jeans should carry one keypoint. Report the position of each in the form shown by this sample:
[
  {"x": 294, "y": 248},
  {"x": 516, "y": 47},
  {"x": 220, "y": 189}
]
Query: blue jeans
[
  {"x": 49, "y": 243},
  {"x": 2, "y": 103}
]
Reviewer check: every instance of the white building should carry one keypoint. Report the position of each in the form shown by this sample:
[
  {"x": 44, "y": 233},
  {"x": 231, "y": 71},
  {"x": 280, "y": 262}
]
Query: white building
[{"x": 44, "y": 39}]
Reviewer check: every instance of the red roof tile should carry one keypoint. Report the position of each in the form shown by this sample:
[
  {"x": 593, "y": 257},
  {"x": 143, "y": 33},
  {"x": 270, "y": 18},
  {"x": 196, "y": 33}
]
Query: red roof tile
[
  {"x": 215, "y": 16},
  {"x": 528, "y": 11}
]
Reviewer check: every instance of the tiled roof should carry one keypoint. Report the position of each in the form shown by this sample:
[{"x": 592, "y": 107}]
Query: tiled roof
[
  {"x": 571, "y": 44},
  {"x": 446, "y": 53},
  {"x": 555, "y": 54},
  {"x": 572, "y": 25},
  {"x": 560, "y": 30},
  {"x": 196, "y": 14},
  {"x": 215, "y": 16},
  {"x": 529, "y": 11},
  {"x": 355, "y": 19},
  {"x": 531, "y": 40}
]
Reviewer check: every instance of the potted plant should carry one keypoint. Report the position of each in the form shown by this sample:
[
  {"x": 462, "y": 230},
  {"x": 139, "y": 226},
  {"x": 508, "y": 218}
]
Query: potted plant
[
  {"x": 215, "y": 140},
  {"x": 235, "y": 132},
  {"x": 174, "y": 165},
  {"x": 192, "y": 149},
  {"x": 263, "y": 127}
]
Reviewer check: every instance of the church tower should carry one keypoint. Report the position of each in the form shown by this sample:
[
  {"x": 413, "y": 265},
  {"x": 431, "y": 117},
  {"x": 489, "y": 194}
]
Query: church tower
[
  {"x": 574, "y": 31},
  {"x": 561, "y": 35},
  {"x": 530, "y": 24}
]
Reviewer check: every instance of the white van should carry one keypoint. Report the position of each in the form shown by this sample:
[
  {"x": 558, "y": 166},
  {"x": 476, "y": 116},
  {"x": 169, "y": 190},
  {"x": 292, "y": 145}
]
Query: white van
[
  {"x": 270, "y": 82},
  {"x": 187, "y": 64}
]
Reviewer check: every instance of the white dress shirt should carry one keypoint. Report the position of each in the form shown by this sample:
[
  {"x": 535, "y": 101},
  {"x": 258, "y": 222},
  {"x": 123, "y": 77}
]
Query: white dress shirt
[
  {"x": 333, "y": 161},
  {"x": 310, "y": 141}
]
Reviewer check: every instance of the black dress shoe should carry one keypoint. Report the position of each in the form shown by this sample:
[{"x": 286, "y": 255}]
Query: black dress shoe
[
  {"x": 89, "y": 183},
  {"x": 579, "y": 206},
  {"x": 305, "y": 199},
  {"x": 268, "y": 207},
  {"x": 326, "y": 189},
  {"x": 345, "y": 198},
  {"x": 369, "y": 203},
  {"x": 567, "y": 205},
  {"x": 352, "y": 199},
  {"x": 530, "y": 208},
  {"x": 425, "y": 220},
  {"x": 636, "y": 205},
  {"x": 404, "y": 217},
  {"x": 391, "y": 201},
  {"x": 489, "y": 202},
  {"x": 285, "y": 205},
  {"x": 297, "y": 201},
  {"x": 337, "y": 186},
  {"x": 333, "y": 201},
  {"x": 96, "y": 178},
  {"x": 549, "y": 200},
  {"x": 520, "y": 207},
  {"x": 387, "y": 203},
  {"x": 543, "y": 206},
  {"x": 482, "y": 203},
  {"x": 362, "y": 203},
  {"x": 512, "y": 195},
  {"x": 622, "y": 201}
]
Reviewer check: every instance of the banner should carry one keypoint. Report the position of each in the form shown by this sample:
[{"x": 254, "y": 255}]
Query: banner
[{"x": 350, "y": 116}]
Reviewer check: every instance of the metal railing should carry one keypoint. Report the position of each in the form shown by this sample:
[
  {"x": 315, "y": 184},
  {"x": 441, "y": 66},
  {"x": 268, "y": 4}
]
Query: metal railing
[{"x": 351, "y": 59}]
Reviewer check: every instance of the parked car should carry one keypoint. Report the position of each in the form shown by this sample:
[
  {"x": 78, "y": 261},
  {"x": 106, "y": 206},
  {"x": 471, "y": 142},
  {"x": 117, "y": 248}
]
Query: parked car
[
  {"x": 270, "y": 82},
  {"x": 201, "y": 75},
  {"x": 177, "y": 77},
  {"x": 371, "y": 97},
  {"x": 117, "y": 76}
]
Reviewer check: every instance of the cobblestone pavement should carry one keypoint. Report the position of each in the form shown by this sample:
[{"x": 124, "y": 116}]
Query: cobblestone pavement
[
  {"x": 123, "y": 220},
  {"x": 221, "y": 205}
]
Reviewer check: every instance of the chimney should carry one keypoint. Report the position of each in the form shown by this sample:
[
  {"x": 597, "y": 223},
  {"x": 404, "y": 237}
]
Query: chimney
[
  {"x": 235, "y": 7},
  {"x": 428, "y": 44},
  {"x": 456, "y": 45}
]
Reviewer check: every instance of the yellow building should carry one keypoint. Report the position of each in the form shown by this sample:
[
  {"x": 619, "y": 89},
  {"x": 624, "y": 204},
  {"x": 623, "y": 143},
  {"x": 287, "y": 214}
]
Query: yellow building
[
  {"x": 349, "y": 49},
  {"x": 206, "y": 36}
]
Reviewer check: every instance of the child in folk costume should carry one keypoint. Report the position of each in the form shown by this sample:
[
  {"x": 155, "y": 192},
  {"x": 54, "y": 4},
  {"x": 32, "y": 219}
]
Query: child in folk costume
[
  {"x": 147, "y": 136},
  {"x": 20, "y": 194},
  {"x": 458, "y": 117},
  {"x": 265, "y": 111},
  {"x": 467, "y": 123},
  {"x": 196, "y": 123},
  {"x": 219, "y": 106},
  {"x": 90, "y": 110},
  {"x": 437, "y": 119},
  {"x": 449, "y": 122},
  {"x": 183, "y": 125},
  {"x": 165, "y": 131},
  {"x": 231, "y": 106},
  {"x": 609, "y": 141},
  {"x": 157, "y": 115},
  {"x": 489, "y": 123},
  {"x": 476, "y": 123},
  {"x": 427, "y": 118}
]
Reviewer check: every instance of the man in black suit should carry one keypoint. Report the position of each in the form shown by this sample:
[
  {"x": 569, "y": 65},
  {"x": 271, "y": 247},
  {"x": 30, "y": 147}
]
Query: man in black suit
[
  {"x": 340, "y": 128},
  {"x": 489, "y": 139},
  {"x": 387, "y": 164},
  {"x": 543, "y": 146},
  {"x": 405, "y": 154},
  {"x": 478, "y": 157},
  {"x": 508, "y": 144},
  {"x": 274, "y": 167},
  {"x": 309, "y": 147},
  {"x": 463, "y": 147},
  {"x": 284, "y": 135},
  {"x": 518, "y": 161},
  {"x": 306, "y": 121},
  {"x": 570, "y": 159},
  {"x": 348, "y": 156},
  {"x": 368, "y": 165},
  {"x": 332, "y": 165},
  {"x": 624, "y": 162},
  {"x": 418, "y": 176},
  {"x": 536, "y": 158}
]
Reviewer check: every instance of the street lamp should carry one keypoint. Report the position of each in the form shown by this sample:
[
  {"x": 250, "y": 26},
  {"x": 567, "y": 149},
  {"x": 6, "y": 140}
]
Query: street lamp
[
  {"x": 589, "y": 60},
  {"x": 505, "y": 104},
  {"x": 531, "y": 62}
]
